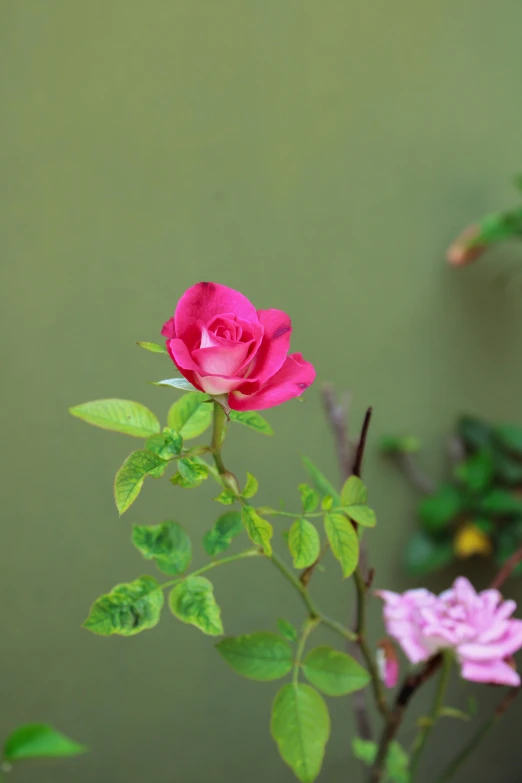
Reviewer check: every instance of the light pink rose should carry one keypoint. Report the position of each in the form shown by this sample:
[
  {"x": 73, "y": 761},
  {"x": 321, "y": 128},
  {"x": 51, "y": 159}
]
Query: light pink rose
[
  {"x": 477, "y": 626},
  {"x": 222, "y": 345}
]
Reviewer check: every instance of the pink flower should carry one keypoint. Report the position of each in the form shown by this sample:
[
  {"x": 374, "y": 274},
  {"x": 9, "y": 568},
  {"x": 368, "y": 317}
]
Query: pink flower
[
  {"x": 476, "y": 626},
  {"x": 223, "y": 345}
]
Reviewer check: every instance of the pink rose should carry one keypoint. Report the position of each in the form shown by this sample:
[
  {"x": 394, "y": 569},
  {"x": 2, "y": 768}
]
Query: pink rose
[
  {"x": 222, "y": 345},
  {"x": 477, "y": 626}
]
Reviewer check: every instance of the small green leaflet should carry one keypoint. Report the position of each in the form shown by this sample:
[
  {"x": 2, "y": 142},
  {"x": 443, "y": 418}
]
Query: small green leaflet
[
  {"x": 128, "y": 609},
  {"x": 334, "y": 672},
  {"x": 192, "y": 601},
  {"x": 320, "y": 483},
  {"x": 510, "y": 437},
  {"x": 253, "y": 420},
  {"x": 166, "y": 444},
  {"x": 251, "y": 486},
  {"x": 130, "y": 477},
  {"x": 287, "y": 630},
  {"x": 191, "y": 415},
  {"x": 309, "y": 498},
  {"x": 392, "y": 444},
  {"x": 258, "y": 656},
  {"x": 343, "y": 540},
  {"x": 259, "y": 530},
  {"x": 501, "y": 502},
  {"x": 153, "y": 347},
  {"x": 39, "y": 740},
  {"x": 354, "y": 500},
  {"x": 192, "y": 470},
  {"x": 227, "y": 527},
  {"x": 130, "y": 418},
  {"x": 300, "y": 725},
  {"x": 175, "y": 383},
  {"x": 303, "y": 543},
  {"x": 397, "y": 762},
  {"x": 226, "y": 498},
  {"x": 167, "y": 544}
]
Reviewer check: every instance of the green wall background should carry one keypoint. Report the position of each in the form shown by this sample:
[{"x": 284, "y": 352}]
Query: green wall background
[{"x": 319, "y": 156}]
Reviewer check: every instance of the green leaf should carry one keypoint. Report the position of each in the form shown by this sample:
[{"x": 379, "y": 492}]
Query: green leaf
[
  {"x": 510, "y": 436},
  {"x": 153, "y": 347},
  {"x": 327, "y": 503},
  {"x": 354, "y": 492},
  {"x": 304, "y": 543},
  {"x": 166, "y": 444},
  {"x": 128, "y": 609},
  {"x": 475, "y": 433},
  {"x": 438, "y": 510},
  {"x": 343, "y": 540},
  {"x": 251, "y": 486},
  {"x": 391, "y": 444},
  {"x": 253, "y": 420},
  {"x": 259, "y": 656},
  {"x": 354, "y": 496},
  {"x": 191, "y": 415},
  {"x": 424, "y": 554},
  {"x": 476, "y": 472},
  {"x": 130, "y": 477},
  {"x": 226, "y": 498},
  {"x": 192, "y": 601},
  {"x": 309, "y": 498},
  {"x": 363, "y": 515},
  {"x": 167, "y": 544},
  {"x": 320, "y": 483},
  {"x": 500, "y": 502},
  {"x": 301, "y": 726},
  {"x": 192, "y": 470},
  {"x": 39, "y": 740},
  {"x": 397, "y": 764},
  {"x": 287, "y": 630},
  {"x": 130, "y": 418},
  {"x": 226, "y": 528},
  {"x": 259, "y": 530},
  {"x": 334, "y": 673},
  {"x": 175, "y": 383},
  {"x": 397, "y": 761}
]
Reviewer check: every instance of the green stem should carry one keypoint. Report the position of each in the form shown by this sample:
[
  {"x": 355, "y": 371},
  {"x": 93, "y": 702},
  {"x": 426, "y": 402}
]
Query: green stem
[
  {"x": 437, "y": 706},
  {"x": 477, "y": 738},
  {"x": 311, "y": 607},
  {"x": 217, "y": 437},
  {"x": 214, "y": 564},
  {"x": 307, "y": 630},
  {"x": 289, "y": 575}
]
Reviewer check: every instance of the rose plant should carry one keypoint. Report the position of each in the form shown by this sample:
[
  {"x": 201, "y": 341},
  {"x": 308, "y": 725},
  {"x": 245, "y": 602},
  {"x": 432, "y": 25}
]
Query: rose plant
[{"x": 233, "y": 361}]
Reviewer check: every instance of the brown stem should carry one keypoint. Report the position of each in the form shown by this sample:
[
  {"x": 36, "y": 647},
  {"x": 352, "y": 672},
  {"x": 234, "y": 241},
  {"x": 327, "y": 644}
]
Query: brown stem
[
  {"x": 337, "y": 415},
  {"x": 409, "y": 688},
  {"x": 359, "y": 454},
  {"x": 507, "y": 569}
]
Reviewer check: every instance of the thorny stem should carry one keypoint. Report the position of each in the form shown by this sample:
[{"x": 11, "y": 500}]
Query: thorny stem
[
  {"x": 476, "y": 739},
  {"x": 437, "y": 706}
]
